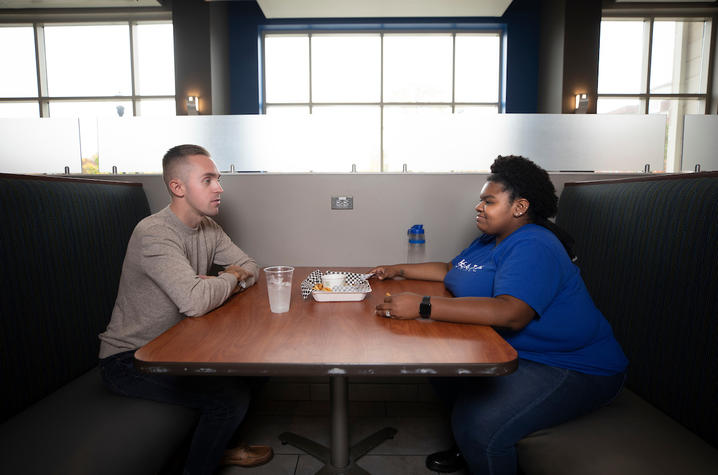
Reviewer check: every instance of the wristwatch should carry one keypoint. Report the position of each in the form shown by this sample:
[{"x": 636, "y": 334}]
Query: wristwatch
[{"x": 425, "y": 307}]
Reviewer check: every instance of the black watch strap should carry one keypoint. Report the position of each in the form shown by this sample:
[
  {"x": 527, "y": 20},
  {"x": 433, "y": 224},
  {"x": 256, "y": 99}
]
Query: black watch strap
[{"x": 425, "y": 307}]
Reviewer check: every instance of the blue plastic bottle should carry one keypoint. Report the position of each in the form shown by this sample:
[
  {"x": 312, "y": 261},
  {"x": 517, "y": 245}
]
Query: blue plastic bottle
[{"x": 417, "y": 244}]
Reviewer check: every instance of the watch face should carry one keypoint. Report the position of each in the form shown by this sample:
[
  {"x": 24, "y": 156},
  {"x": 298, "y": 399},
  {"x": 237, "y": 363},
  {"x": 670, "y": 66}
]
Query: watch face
[{"x": 425, "y": 307}]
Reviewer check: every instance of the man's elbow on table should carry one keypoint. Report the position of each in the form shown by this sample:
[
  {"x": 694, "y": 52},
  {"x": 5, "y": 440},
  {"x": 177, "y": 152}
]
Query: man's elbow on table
[{"x": 206, "y": 295}]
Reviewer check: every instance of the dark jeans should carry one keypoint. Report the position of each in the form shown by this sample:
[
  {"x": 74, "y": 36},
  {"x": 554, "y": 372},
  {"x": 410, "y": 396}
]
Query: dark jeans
[
  {"x": 490, "y": 415},
  {"x": 221, "y": 402}
]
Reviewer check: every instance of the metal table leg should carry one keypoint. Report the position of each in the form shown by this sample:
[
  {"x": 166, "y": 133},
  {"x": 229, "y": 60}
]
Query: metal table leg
[
  {"x": 340, "y": 426},
  {"x": 340, "y": 459}
]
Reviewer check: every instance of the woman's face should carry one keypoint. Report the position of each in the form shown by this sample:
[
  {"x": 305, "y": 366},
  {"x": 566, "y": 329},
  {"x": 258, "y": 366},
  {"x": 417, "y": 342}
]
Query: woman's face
[{"x": 497, "y": 214}]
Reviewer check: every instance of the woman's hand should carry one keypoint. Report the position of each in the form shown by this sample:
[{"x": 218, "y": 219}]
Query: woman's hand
[
  {"x": 386, "y": 272},
  {"x": 404, "y": 306}
]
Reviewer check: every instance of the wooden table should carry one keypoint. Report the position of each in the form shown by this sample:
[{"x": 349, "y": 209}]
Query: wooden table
[{"x": 335, "y": 339}]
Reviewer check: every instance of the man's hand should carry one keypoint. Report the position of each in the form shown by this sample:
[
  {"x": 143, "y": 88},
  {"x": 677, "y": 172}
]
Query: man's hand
[{"x": 240, "y": 273}]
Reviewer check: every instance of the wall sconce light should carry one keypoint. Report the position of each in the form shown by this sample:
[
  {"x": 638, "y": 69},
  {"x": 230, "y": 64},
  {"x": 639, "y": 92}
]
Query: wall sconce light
[
  {"x": 581, "y": 103},
  {"x": 192, "y": 105}
]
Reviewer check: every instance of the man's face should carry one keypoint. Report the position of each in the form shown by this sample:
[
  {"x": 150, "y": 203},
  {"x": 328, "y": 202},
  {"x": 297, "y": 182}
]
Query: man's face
[{"x": 200, "y": 178}]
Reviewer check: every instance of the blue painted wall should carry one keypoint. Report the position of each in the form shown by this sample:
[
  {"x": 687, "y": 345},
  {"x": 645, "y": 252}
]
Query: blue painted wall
[{"x": 521, "y": 21}]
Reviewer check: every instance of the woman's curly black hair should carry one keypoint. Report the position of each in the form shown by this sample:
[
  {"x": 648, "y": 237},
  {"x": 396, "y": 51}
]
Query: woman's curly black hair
[{"x": 522, "y": 178}]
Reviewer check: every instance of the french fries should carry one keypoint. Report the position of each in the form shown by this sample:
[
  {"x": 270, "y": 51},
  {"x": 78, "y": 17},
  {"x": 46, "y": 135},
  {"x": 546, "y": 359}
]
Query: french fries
[{"x": 322, "y": 287}]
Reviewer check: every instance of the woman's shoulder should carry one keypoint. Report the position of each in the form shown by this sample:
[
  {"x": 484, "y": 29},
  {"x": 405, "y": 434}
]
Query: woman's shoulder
[
  {"x": 535, "y": 239},
  {"x": 482, "y": 240},
  {"x": 533, "y": 233}
]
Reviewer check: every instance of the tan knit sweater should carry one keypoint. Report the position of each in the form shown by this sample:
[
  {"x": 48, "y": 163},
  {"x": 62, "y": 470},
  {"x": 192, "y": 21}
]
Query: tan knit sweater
[{"x": 160, "y": 281}]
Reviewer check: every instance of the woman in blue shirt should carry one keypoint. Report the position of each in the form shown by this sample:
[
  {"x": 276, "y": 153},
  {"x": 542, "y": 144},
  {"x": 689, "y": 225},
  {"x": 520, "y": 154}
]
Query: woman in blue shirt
[{"x": 519, "y": 278}]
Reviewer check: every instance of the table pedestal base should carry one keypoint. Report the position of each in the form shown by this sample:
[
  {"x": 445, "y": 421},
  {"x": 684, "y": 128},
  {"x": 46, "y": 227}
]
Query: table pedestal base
[{"x": 340, "y": 459}]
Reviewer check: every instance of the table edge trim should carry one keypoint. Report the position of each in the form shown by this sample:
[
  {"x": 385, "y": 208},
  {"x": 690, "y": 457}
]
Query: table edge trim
[{"x": 338, "y": 369}]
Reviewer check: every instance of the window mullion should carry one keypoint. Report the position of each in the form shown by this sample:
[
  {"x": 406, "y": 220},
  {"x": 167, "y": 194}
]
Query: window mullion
[
  {"x": 41, "y": 67},
  {"x": 134, "y": 73},
  {"x": 502, "y": 104},
  {"x": 381, "y": 103},
  {"x": 453, "y": 72},
  {"x": 708, "y": 66},
  {"x": 648, "y": 51},
  {"x": 310, "y": 72},
  {"x": 263, "y": 72}
]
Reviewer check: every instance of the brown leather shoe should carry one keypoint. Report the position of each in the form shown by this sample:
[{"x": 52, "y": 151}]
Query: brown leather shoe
[{"x": 247, "y": 455}]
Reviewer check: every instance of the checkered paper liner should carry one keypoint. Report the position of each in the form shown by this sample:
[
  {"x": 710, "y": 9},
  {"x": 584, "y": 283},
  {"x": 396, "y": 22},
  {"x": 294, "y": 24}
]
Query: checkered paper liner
[{"x": 354, "y": 283}]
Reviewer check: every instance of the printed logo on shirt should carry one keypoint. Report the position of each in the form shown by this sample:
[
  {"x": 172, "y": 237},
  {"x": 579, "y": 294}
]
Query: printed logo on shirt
[{"x": 463, "y": 265}]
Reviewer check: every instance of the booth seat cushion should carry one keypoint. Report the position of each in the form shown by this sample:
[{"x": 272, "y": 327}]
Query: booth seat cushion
[
  {"x": 83, "y": 428},
  {"x": 627, "y": 437},
  {"x": 62, "y": 244},
  {"x": 648, "y": 252}
]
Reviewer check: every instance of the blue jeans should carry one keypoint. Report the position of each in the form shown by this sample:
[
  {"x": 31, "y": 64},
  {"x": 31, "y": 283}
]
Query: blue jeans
[
  {"x": 221, "y": 402},
  {"x": 490, "y": 415}
]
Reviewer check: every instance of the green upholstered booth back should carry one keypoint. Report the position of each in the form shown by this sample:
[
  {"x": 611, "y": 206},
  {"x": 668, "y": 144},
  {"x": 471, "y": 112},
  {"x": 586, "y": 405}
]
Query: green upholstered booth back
[
  {"x": 648, "y": 252},
  {"x": 62, "y": 244}
]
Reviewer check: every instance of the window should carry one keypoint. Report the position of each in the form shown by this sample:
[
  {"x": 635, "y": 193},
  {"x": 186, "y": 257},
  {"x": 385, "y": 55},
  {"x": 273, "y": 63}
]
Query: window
[
  {"x": 117, "y": 69},
  {"x": 655, "y": 66},
  {"x": 382, "y": 84}
]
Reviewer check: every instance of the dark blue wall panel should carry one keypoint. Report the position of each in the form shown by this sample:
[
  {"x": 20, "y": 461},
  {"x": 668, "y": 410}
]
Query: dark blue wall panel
[
  {"x": 523, "y": 29},
  {"x": 245, "y": 19}
]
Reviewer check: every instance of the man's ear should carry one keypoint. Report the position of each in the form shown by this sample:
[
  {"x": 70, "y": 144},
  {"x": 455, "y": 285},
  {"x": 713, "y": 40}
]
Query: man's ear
[{"x": 177, "y": 187}]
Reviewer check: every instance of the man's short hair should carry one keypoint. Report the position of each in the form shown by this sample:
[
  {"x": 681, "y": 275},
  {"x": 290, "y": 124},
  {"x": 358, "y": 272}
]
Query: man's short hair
[{"x": 176, "y": 156}]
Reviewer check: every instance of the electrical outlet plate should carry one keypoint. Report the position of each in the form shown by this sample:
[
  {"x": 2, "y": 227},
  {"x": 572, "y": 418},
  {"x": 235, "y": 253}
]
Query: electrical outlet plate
[{"x": 342, "y": 202}]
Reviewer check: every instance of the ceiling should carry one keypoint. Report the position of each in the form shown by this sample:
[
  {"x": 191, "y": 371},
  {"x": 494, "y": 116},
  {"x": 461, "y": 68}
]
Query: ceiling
[
  {"x": 327, "y": 8},
  {"x": 381, "y": 8},
  {"x": 310, "y": 8}
]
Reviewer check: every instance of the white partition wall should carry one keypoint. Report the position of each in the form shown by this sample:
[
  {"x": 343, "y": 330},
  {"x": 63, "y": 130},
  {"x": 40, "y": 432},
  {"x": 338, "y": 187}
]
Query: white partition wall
[
  {"x": 700, "y": 142},
  {"x": 39, "y": 146},
  {"x": 138, "y": 144},
  {"x": 557, "y": 142},
  {"x": 453, "y": 142},
  {"x": 247, "y": 142},
  {"x": 336, "y": 143}
]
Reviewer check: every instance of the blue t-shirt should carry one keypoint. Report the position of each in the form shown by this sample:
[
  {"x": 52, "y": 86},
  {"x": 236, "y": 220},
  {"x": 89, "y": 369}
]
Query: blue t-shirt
[{"x": 532, "y": 265}]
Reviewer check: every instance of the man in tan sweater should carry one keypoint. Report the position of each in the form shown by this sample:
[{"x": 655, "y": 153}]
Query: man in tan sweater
[{"x": 165, "y": 279}]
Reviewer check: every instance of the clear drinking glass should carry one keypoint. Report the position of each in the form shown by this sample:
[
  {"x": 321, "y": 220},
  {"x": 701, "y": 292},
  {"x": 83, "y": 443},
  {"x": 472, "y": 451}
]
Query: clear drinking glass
[{"x": 279, "y": 287}]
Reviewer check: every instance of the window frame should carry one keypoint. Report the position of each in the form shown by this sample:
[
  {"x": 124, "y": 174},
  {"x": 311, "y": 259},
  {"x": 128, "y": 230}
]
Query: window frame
[
  {"x": 674, "y": 162},
  {"x": 646, "y": 95},
  {"x": 382, "y": 30},
  {"x": 38, "y": 22}
]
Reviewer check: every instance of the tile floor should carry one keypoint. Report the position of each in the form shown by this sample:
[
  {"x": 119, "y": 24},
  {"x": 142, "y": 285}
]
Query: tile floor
[{"x": 422, "y": 429}]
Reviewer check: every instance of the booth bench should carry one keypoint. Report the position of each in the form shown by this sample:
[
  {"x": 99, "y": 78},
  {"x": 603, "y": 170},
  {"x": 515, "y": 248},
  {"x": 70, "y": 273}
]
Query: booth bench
[
  {"x": 62, "y": 244},
  {"x": 648, "y": 252}
]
